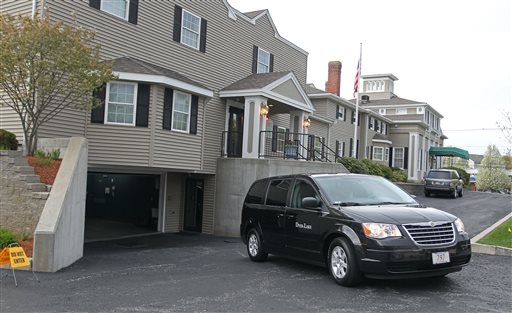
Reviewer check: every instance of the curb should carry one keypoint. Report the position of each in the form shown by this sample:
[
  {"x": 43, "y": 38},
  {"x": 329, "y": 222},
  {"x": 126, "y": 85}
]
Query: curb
[{"x": 487, "y": 249}]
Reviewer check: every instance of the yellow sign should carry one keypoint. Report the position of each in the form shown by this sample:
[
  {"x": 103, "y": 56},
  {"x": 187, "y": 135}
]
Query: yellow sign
[{"x": 18, "y": 257}]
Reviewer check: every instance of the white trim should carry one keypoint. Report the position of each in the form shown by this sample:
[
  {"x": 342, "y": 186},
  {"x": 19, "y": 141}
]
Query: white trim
[
  {"x": 258, "y": 61},
  {"x": 107, "y": 102},
  {"x": 267, "y": 92},
  {"x": 127, "y": 8},
  {"x": 183, "y": 11},
  {"x": 381, "y": 153},
  {"x": 382, "y": 141},
  {"x": 161, "y": 79},
  {"x": 189, "y": 96}
]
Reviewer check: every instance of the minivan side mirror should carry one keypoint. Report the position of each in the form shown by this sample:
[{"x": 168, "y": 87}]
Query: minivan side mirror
[{"x": 310, "y": 203}]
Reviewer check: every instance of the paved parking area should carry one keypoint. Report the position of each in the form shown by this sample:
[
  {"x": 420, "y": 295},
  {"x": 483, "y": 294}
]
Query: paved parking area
[{"x": 197, "y": 273}]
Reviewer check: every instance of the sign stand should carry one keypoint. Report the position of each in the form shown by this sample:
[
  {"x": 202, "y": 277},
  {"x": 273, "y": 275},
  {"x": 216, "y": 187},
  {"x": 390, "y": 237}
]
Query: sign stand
[{"x": 16, "y": 257}]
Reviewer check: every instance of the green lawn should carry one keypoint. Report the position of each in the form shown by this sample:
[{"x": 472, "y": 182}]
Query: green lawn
[{"x": 501, "y": 236}]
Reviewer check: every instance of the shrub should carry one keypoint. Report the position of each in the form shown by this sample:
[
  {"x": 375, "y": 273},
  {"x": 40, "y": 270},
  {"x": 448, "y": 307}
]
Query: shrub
[
  {"x": 54, "y": 154},
  {"x": 6, "y": 237},
  {"x": 370, "y": 167},
  {"x": 40, "y": 154},
  {"x": 462, "y": 173},
  {"x": 8, "y": 140}
]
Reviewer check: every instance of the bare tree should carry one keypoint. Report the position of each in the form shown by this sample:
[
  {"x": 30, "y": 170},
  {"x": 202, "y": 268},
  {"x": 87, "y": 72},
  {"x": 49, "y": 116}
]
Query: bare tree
[
  {"x": 506, "y": 126},
  {"x": 45, "y": 68}
]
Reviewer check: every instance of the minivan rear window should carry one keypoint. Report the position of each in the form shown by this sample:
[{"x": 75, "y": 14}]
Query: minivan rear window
[
  {"x": 439, "y": 175},
  {"x": 257, "y": 192}
]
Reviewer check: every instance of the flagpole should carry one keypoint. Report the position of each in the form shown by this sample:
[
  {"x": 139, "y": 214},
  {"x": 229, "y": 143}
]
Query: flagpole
[{"x": 358, "y": 76}]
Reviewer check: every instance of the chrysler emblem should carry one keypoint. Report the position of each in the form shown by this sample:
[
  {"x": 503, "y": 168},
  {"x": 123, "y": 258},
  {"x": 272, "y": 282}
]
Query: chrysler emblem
[{"x": 432, "y": 224}]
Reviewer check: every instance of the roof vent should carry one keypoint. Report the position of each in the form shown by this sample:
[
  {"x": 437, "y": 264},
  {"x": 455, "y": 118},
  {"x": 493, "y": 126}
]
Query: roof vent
[{"x": 365, "y": 98}]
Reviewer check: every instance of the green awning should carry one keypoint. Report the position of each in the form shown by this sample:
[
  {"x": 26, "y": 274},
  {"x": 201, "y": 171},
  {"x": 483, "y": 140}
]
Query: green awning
[{"x": 449, "y": 151}]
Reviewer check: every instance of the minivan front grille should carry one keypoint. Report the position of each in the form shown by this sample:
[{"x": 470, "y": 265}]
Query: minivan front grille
[{"x": 431, "y": 234}]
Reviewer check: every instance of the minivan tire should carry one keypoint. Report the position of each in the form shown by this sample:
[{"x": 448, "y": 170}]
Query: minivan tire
[
  {"x": 455, "y": 193},
  {"x": 254, "y": 247},
  {"x": 342, "y": 263}
]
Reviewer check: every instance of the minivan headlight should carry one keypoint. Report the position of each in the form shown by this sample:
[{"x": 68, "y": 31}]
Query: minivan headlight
[
  {"x": 459, "y": 225},
  {"x": 376, "y": 230}
]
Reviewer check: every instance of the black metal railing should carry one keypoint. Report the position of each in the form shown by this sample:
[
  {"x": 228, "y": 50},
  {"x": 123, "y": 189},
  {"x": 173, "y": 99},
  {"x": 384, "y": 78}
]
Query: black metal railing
[{"x": 281, "y": 145}]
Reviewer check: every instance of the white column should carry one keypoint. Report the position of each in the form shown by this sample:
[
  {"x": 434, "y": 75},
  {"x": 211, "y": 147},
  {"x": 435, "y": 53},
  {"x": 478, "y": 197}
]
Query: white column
[
  {"x": 297, "y": 126},
  {"x": 253, "y": 124}
]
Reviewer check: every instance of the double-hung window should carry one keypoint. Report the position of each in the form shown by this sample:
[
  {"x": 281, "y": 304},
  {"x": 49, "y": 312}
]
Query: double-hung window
[
  {"x": 398, "y": 157},
  {"x": 263, "y": 61},
  {"x": 118, "y": 8},
  {"x": 181, "y": 112},
  {"x": 280, "y": 136},
  {"x": 121, "y": 103},
  {"x": 378, "y": 153},
  {"x": 190, "y": 29}
]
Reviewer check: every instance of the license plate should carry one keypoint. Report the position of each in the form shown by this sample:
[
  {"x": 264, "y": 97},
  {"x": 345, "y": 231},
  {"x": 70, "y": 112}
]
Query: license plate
[
  {"x": 438, "y": 183},
  {"x": 440, "y": 257}
]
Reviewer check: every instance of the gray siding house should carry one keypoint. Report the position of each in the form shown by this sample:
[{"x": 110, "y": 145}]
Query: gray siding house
[{"x": 201, "y": 87}]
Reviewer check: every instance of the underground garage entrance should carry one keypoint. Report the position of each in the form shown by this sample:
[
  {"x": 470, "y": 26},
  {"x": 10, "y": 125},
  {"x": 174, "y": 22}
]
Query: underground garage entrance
[{"x": 121, "y": 205}]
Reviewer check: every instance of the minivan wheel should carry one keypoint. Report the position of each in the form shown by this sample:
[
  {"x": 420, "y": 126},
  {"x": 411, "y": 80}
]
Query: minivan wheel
[
  {"x": 254, "y": 248},
  {"x": 342, "y": 263},
  {"x": 455, "y": 193}
]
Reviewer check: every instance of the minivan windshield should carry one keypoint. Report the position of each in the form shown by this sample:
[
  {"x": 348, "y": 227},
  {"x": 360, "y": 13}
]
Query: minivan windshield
[{"x": 356, "y": 190}]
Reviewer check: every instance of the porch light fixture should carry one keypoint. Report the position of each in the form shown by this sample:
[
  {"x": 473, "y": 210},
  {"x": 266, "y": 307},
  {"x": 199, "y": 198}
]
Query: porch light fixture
[
  {"x": 307, "y": 122},
  {"x": 264, "y": 109}
]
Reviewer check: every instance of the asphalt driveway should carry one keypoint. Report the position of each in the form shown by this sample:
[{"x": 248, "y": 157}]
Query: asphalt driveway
[{"x": 198, "y": 273}]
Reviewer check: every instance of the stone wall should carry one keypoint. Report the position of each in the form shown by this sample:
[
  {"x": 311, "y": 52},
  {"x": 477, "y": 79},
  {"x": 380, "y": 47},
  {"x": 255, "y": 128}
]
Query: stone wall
[{"x": 22, "y": 196}]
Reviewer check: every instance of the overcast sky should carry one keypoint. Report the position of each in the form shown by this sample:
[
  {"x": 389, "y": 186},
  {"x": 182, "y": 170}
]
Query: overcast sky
[{"x": 455, "y": 55}]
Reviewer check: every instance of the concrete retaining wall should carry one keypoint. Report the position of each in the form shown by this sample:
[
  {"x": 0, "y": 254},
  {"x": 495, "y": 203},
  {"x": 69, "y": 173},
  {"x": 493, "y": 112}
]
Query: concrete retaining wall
[
  {"x": 59, "y": 235},
  {"x": 235, "y": 177}
]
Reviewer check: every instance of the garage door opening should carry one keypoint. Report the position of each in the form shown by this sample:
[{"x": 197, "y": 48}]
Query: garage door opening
[{"x": 121, "y": 205}]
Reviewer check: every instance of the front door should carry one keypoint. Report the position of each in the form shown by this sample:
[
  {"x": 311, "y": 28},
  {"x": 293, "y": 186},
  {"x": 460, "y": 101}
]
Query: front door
[
  {"x": 194, "y": 205},
  {"x": 235, "y": 132}
]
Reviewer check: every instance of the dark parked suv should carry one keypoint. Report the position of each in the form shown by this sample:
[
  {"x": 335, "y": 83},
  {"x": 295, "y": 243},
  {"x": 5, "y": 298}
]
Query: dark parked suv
[
  {"x": 442, "y": 181},
  {"x": 354, "y": 224}
]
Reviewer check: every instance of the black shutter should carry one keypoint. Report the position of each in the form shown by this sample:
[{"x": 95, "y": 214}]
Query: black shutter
[
  {"x": 133, "y": 11},
  {"x": 274, "y": 138},
  {"x": 176, "y": 35},
  {"x": 371, "y": 152},
  {"x": 351, "y": 147},
  {"x": 167, "y": 118},
  {"x": 357, "y": 149},
  {"x": 390, "y": 157},
  {"x": 337, "y": 147},
  {"x": 96, "y": 4},
  {"x": 143, "y": 92},
  {"x": 98, "y": 114},
  {"x": 193, "y": 114},
  {"x": 323, "y": 146},
  {"x": 344, "y": 114},
  {"x": 337, "y": 112},
  {"x": 271, "y": 65},
  {"x": 343, "y": 149},
  {"x": 254, "y": 59},
  {"x": 202, "y": 40},
  {"x": 406, "y": 158}
]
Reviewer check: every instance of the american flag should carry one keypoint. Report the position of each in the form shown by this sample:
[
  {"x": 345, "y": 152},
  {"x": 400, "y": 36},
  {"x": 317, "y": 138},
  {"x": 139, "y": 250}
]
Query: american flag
[{"x": 356, "y": 82}]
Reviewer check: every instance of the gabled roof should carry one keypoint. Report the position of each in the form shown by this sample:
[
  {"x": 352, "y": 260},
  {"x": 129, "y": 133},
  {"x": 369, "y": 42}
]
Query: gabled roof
[
  {"x": 279, "y": 86},
  {"x": 253, "y": 16},
  {"x": 128, "y": 68}
]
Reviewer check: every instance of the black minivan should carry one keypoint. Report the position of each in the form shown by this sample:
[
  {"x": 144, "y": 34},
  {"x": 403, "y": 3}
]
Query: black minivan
[{"x": 356, "y": 225}]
